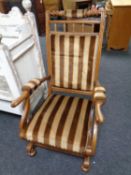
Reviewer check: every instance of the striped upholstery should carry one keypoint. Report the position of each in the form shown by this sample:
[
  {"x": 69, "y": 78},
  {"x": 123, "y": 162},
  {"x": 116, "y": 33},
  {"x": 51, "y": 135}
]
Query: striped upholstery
[
  {"x": 62, "y": 122},
  {"x": 31, "y": 85},
  {"x": 74, "y": 59}
]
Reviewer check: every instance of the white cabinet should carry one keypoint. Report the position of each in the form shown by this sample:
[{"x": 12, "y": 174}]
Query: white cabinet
[{"x": 20, "y": 57}]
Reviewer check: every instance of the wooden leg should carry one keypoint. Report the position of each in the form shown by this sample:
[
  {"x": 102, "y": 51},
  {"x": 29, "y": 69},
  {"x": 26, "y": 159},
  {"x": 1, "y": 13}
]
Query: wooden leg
[
  {"x": 31, "y": 151},
  {"x": 86, "y": 164}
]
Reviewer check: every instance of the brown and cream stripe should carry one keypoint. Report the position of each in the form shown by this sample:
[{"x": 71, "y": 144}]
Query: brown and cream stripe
[
  {"x": 31, "y": 85},
  {"x": 61, "y": 122},
  {"x": 74, "y": 59}
]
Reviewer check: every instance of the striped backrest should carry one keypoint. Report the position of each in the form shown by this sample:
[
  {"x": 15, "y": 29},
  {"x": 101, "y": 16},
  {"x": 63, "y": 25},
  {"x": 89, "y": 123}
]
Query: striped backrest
[{"x": 73, "y": 59}]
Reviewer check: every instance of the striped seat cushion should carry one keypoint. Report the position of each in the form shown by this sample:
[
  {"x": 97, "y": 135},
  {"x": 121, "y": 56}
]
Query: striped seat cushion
[
  {"x": 74, "y": 60},
  {"x": 61, "y": 122}
]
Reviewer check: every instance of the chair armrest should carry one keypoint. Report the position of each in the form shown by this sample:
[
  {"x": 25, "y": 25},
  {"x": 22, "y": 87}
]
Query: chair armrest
[
  {"x": 28, "y": 89},
  {"x": 99, "y": 98},
  {"x": 97, "y": 117},
  {"x": 20, "y": 99}
]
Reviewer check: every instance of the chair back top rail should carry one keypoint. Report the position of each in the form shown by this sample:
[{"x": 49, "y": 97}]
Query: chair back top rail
[{"x": 76, "y": 13}]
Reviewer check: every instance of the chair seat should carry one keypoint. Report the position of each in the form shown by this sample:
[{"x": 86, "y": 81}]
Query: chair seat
[{"x": 61, "y": 122}]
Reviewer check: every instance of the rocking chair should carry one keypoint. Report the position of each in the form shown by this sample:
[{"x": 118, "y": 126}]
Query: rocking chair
[{"x": 68, "y": 119}]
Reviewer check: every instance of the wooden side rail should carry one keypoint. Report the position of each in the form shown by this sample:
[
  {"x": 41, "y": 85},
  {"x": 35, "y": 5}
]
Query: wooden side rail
[
  {"x": 76, "y": 13},
  {"x": 28, "y": 90},
  {"x": 25, "y": 118},
  {"x": 94, "y": 138},
  {"x": 91, "y": 147}
]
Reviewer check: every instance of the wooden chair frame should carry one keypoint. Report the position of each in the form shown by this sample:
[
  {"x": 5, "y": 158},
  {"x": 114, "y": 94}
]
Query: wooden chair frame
[{"x": 97, "y": 94}]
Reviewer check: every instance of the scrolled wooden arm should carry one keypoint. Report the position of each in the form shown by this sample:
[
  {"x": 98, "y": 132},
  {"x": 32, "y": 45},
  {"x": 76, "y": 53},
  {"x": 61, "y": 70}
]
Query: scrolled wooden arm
[
  {"x": 28, "y": 90},
  {"x": 20, "y": 99},
  {"x": 97, "y": 117},
  {"x": 99, "y": 97}
]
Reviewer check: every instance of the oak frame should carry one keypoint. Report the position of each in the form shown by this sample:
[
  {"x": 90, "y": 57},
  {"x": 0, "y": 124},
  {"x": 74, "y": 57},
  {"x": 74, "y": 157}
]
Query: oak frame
[{"x": 97, "y": 94}]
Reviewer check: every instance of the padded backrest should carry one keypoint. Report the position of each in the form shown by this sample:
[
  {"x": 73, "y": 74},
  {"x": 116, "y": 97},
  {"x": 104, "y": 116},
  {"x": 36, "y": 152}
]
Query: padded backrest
[
  {"x": 73, "y": 59},
  {"x": 74, "y": 56}
]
